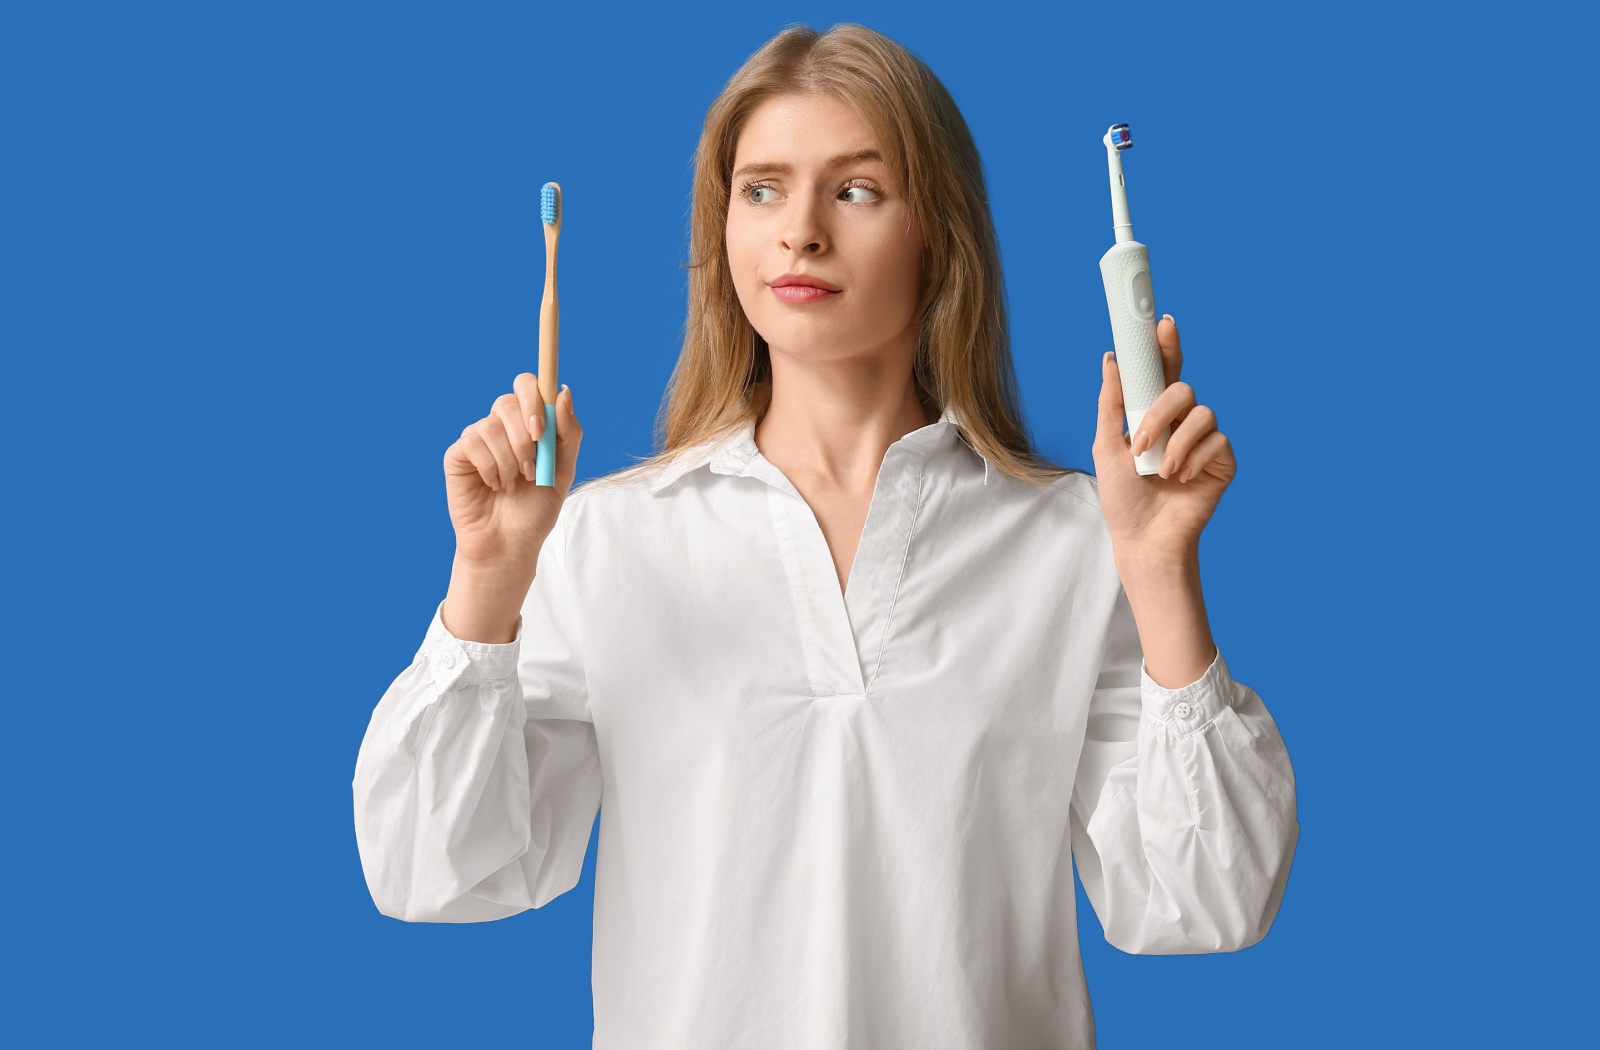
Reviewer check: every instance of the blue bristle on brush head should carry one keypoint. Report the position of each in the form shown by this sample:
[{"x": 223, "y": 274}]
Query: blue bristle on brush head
[
  {"x": 1121, "y": 137},
  {"x": 549, "y": 204}
]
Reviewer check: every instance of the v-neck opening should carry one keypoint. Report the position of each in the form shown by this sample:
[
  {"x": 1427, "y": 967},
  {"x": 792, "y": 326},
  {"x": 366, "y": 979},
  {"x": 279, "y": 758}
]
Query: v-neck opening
[{"x": 845, "y": 630}]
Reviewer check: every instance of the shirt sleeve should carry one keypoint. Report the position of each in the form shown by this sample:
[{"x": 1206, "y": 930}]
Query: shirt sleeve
[
  {"x": 478, "y": 779},
  {"x": 1183, "y": 817}
]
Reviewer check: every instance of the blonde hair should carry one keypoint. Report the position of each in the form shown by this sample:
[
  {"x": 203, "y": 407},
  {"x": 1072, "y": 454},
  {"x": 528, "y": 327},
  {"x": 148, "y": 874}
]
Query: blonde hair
[{"x": 723, "y": 376}]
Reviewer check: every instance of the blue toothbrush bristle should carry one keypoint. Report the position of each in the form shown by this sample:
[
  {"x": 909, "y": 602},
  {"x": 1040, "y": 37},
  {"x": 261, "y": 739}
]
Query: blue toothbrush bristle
[
  {"x": 1121, "y": 137},
  {"x": 549, "y": 204}
]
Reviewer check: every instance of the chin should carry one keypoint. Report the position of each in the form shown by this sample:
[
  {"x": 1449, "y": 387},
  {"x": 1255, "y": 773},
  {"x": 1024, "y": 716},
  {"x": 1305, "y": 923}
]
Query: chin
[{"x": 810, "y": 347}]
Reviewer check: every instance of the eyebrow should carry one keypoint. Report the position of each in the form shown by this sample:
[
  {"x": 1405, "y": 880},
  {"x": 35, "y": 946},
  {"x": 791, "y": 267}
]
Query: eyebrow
[{"x": 775, "y": 167}]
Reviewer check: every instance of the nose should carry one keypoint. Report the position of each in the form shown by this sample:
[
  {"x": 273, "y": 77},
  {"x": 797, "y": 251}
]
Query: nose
[{"x": 803, "y": 231}]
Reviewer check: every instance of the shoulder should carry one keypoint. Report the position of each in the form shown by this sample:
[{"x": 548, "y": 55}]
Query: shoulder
[
  {"x": 1068, "y": 503},
  {"x": 1074, "y": 493},
  {"x": 623, "y": 498},
  {"x": 1077, "y": 487},
  {"x": 1071, "y": 501}
]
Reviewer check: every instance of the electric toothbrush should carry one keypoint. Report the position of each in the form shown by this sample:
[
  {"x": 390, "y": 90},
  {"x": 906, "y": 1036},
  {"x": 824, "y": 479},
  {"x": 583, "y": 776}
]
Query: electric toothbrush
[{"x": 1132, "y": 303}]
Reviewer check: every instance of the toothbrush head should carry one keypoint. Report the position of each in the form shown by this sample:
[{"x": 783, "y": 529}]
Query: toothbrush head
[
  {"x": 1118, "y": 137},
  {"x": 550, "y": 204}
]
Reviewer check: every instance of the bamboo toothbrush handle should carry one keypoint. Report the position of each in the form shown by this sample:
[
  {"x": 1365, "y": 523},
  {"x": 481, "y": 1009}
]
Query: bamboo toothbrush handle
[{"x": 549, "y": 322}]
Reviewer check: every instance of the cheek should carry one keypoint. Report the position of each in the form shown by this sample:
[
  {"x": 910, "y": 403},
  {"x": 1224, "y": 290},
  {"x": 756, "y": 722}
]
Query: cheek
[
  {"x": 900, "y": 262},
  {"x": 741, "y": 259}
]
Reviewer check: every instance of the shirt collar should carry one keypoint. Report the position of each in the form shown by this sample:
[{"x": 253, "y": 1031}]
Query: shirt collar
[{"x": 732, "y": 453}]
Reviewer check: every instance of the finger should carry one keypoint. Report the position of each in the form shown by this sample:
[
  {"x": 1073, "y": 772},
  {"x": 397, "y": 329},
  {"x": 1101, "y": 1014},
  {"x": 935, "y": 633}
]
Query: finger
[
  {"x": 569, "y": 434},
  {"x": 477, "y": 453},
  {"x": 532, "y": 401},
  {"x": 1209, "y": 451},
  {"x": 508, "y": 410},
  {"x": 1108, "y": 427},
  {"x": 1171, "y": 349},
  {"x": 1200, "y": 422},
  {"x": 1168, "y": 410},
  {"x": 493, "y": 433}
]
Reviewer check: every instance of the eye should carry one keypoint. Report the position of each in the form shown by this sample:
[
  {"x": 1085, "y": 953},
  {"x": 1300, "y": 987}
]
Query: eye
[
  {"x": 750, "y": 189},
  {"x": 861, "y": 184}
]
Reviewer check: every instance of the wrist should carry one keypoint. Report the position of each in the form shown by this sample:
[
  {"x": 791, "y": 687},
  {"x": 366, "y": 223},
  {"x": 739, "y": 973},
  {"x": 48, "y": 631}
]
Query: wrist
[
  {"x": 1169, "y": 611},
  {"x": 483, "y": 602},
  {"x": 1157, "y": 566},
  {"x": 492, "y": 571}
]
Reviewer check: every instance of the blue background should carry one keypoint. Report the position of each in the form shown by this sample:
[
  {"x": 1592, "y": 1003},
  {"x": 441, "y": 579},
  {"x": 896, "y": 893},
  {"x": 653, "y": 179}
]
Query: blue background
[{"x": 264, "y": 262}]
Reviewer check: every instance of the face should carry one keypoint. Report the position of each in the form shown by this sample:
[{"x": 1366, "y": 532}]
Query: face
[{"x": 808, "y": 198}]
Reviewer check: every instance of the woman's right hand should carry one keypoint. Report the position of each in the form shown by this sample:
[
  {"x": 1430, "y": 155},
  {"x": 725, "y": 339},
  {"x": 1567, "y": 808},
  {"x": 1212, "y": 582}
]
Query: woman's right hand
[{"x": 500, "y": 516}]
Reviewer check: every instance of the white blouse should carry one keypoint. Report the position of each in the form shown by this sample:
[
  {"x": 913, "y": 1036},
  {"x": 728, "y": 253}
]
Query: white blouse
[{"x": 829, "y": 819}]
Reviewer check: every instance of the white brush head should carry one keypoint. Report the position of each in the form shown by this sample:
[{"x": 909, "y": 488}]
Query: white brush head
[{"x": 1116, "y": 140}]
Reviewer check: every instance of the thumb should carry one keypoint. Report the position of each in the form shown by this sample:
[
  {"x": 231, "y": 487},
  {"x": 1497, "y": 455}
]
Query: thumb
[{"x": 1112, "y": 410}]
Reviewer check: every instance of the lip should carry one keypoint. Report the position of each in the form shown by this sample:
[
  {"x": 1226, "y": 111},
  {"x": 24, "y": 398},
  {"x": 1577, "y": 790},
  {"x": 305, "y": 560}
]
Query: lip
[
  {"x": 802, "y": 293},
  {"x": 791, "y": 280},
  {"x": 802, "y": 288}
]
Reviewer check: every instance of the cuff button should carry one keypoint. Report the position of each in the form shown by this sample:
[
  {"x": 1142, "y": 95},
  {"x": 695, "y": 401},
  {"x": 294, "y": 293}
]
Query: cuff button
[
  {"x": 448, "y": 660},
  {"x": 1183, "y": 709}
]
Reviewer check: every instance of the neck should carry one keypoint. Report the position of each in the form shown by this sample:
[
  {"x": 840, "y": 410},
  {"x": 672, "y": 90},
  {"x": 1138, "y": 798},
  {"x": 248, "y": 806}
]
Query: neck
[{"x": 829, "y": 423}]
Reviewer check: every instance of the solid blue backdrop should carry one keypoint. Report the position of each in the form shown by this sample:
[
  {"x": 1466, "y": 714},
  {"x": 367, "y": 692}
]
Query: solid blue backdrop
[{"x": 263, "y": 263}]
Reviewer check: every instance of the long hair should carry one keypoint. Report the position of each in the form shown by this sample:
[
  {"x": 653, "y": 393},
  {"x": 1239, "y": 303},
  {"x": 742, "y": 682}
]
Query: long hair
[{"x": 723, "y": 376}]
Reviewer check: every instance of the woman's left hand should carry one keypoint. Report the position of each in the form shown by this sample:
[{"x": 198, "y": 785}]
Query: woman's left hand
[{"x": 1160, "y": 517}]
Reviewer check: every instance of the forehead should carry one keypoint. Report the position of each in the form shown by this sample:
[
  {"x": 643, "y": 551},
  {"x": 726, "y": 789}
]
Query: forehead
[{"x": 801, "y": 126}]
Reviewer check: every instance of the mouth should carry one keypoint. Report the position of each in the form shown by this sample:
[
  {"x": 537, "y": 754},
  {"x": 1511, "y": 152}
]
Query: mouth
[
  {"x": 802, "y": 288},
  {"x": 803, "y": 293}
]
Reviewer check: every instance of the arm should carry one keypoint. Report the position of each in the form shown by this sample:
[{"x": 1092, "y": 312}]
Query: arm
[
  {"x": 1183, "y": 818},
  {"x": 478, "y": 780}
]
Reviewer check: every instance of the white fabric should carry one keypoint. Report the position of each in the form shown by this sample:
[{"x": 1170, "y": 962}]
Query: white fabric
[{"x": 829, "y": 820}]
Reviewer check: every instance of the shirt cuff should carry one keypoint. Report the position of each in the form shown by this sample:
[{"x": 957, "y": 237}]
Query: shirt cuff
[
  {"x": 451, "y": 659},
  {"x": 1189, "y": 708}
]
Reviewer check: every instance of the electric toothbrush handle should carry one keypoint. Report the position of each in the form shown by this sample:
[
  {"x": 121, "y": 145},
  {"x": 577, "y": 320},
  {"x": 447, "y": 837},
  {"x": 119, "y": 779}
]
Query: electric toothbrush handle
[{"x": 1132, "y": 305}]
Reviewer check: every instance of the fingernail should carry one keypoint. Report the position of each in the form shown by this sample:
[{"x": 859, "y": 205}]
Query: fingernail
[
  {"x": 1139, "y": 441},
  {"x": 527, "y": 469},
  {"x": 1105, "y": 359},
  {"x": 1169, "y": 317}
]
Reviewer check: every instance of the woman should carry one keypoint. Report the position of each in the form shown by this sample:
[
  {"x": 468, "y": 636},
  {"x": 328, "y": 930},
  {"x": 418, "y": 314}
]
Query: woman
[{"x": 855, "y": 672}]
